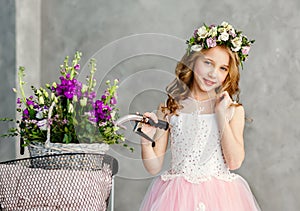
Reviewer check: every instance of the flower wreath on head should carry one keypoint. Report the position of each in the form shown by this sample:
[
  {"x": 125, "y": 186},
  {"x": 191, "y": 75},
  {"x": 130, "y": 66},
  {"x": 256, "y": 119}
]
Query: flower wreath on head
[{"x": 210, "y": 36}]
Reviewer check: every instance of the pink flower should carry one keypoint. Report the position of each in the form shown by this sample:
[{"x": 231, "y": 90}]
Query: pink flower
[
  {"x": 211, "y": 42},
  {"x": 232, "y": 33},
  {"x": 245, "y": 50}
]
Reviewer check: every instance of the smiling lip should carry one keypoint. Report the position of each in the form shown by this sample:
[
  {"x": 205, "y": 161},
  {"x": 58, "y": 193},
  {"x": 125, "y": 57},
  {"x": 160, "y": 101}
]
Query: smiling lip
[{"x": 208, "y": 82}]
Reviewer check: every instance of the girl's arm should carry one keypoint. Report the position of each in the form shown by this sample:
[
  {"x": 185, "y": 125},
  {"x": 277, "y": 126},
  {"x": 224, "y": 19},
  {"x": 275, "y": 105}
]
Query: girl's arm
[
  {"x": 232, "y": 140},
  {"x": 153, "y": 157}
]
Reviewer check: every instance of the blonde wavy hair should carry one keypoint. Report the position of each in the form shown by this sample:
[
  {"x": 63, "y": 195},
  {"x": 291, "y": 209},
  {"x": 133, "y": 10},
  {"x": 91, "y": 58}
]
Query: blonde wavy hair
[{"x": 179, "y": 89}]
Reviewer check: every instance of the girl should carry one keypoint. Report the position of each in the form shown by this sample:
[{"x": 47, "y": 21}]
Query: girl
[{"x": 206, "y": 129}]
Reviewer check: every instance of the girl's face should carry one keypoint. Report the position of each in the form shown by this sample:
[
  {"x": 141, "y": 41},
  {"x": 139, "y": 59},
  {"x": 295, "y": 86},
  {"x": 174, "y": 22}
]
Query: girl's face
[{"x": 211, "y": 70}]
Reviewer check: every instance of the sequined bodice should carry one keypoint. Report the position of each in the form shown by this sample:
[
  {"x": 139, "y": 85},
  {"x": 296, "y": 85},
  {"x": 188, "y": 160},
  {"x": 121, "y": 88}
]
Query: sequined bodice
[{"x": 196, "y": 148}]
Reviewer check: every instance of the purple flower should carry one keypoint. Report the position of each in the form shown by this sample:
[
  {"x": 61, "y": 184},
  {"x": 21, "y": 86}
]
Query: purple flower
[
  {"x": 113, "y": 101},
  {"x": 92, "y": 95},
  {"x": 69, "y": 95},
  {"x": 19, "y": 102},
  {"x": 50, "y": 121},
  {"x": 29, "y": 102},
  {"x": 77, "y": 67},
  {"x": 195, "y": 33},
  {"x": 68, "y": 88},
  {"x": 92, "y": 118},
  {"x": 211, "y": 42},
  {"x": 106, "y": 107},
  {"x": 101, "y": 111},
  {"x": 25, "y": 114},
  {"x": 108, "y": 117}
]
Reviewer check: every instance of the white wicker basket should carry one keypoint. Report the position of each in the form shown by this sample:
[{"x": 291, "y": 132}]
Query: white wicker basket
[{"x": 48, "y": 148}]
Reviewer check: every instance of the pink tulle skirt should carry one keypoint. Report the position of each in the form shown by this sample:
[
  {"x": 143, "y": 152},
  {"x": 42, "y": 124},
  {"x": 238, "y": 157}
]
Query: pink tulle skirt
[{"x": 214, "y": 195}]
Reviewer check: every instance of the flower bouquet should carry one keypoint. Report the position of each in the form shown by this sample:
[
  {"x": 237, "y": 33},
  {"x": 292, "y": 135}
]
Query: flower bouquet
[{"x": 66, "y": 116}]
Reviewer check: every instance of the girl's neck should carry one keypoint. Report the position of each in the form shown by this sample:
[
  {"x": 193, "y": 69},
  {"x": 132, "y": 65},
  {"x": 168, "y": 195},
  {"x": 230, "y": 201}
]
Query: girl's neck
[{"x": 201, "y": 95}]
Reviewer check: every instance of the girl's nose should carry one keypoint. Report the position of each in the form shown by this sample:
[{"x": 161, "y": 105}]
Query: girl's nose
[{"x": 212, "y": 73}]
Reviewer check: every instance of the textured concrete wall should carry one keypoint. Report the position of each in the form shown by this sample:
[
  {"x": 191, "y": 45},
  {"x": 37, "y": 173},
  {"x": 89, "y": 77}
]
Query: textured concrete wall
[
  {"x": 28, "y": 45},
  {"x": 269, "y": 81},
  {"x": 8, "y": 75}
]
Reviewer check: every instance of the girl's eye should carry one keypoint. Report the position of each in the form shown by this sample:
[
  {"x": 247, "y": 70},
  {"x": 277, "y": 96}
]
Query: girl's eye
[
  {"x": 224, "y": 68},
  {"x": 207, "y": 62}
]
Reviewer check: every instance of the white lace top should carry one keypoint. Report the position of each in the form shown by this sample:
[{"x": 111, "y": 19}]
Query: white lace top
[{"x": 195, "y": 144}]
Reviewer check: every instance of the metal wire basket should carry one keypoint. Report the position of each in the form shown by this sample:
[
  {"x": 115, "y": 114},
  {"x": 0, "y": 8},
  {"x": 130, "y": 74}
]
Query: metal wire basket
[
  {"x": 57, "y": 182},
  {"x": 49, "y": 148}
]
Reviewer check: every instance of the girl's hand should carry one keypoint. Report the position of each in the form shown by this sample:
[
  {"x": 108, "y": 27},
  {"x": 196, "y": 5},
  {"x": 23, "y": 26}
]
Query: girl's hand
[
  {"x": 223, "y": 103},
  {"x": 146, "y": 128}
]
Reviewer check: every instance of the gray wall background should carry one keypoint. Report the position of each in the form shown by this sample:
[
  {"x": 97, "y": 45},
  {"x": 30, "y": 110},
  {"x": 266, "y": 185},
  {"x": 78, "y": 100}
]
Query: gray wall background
[
  {"x": 269, "y": 84},
  {"x": 8, "y": 75}
]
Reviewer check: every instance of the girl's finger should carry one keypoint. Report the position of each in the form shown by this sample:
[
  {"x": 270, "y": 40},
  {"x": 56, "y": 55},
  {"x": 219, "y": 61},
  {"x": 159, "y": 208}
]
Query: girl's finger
[
  {"x": 154, "y": 117},
  {"x": 225, "y": 95},
  {"x": 220, "y": 97},
  {"x": 151, "y": 115}
]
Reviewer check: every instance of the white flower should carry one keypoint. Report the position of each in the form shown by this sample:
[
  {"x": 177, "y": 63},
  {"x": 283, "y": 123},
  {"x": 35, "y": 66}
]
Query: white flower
[
  {"x": 116, "y": 128},
  {"x": 42, "y": 124},
  {"x": 113, "y": 115},
  {"x": 75, "y": 98},
  {"x": 55, "y": 100},
  {"x": 221, "y": 30},
  {"x": 102, "y": 124},
  {"x": 84, "y": 88},
  {"x": 202, "y": 32},
  {"x": 39, "y": 115},
  {"x": 213, "y": 32},
  {"x": 228, "y": 27},
  {"x": 45, "y": 93},
  {"x": 70, "y": 108},
  {"x": 196, "y": 48},
  {"x": 54, "y": 84},
  {"x": 224, "y": 36},
  {"x": 41, "y": 100},
  {"x": 236, "y": 49},
  {"x": 224, "y": 24},
  {"x": 53, "y": 97},
  {"x": 237, "y": 43},
  {"x": 232, "y": 32},
  {"x": 83, "y": 102}
]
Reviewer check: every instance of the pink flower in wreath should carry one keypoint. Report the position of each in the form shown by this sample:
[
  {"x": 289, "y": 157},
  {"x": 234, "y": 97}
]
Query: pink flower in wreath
[
  {"x": 245, "y": 50},
  {"x": 211, "y": 42}
]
